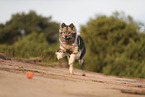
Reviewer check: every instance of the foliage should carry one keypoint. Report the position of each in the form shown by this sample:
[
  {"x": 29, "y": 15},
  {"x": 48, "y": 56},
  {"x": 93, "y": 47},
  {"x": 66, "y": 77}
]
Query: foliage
[
  {"x": 32, "y": 46},
  {"x": 114, "y": 45},
  {"x": 22, "y": 24}
]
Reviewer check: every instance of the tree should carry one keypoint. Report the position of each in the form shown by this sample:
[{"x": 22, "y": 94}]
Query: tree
[
  {"x": 22, "y": 24},
  {"x": 107, "y": 39}
]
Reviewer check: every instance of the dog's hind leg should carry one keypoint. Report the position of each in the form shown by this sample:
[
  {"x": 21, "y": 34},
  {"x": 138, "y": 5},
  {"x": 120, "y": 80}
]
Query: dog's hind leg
[
  {"x": 81, "y": 63},
  {"x": 68, "y": 58},
  {"x": 82, "y": 67}
]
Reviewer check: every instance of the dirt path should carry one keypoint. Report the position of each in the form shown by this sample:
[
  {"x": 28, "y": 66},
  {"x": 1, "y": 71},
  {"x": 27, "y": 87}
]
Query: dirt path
[{"x": 57, "y": 82}]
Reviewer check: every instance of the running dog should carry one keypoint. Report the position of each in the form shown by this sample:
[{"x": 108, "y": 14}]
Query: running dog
[{"x": 71, "y": 45}]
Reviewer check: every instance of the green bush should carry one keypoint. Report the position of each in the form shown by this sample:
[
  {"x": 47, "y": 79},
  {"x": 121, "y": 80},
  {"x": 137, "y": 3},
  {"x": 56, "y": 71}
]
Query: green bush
[
  {"x": 130, "y": 62},
  {"x": 31, "y": 46},
  {"x": 114, "y": 46}
]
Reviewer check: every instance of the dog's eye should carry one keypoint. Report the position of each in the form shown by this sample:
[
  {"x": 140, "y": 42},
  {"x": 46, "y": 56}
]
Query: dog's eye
[{"x": 62, "y": 32}]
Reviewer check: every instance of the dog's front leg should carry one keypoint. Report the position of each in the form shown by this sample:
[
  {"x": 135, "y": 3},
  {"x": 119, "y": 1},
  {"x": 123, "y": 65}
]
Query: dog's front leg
[
  {"x": 71, "y": 68},
  {"x": 71, "y": 61}
]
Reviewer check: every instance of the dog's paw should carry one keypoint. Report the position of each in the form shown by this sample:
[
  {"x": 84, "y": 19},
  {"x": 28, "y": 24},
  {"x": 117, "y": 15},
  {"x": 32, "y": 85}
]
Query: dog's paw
[
  {"x": 72, "y": 58},
  {"x": 81, "y": 61},
  {"x": 59, "y": 55}
]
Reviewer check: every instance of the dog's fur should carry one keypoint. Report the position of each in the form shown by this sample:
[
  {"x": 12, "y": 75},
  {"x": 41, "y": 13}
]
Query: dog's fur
[{"x": 71, "y": 45}]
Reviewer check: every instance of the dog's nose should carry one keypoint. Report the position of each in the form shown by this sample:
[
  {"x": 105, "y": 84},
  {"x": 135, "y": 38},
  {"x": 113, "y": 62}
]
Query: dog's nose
[{"x": 67, "y": 38}]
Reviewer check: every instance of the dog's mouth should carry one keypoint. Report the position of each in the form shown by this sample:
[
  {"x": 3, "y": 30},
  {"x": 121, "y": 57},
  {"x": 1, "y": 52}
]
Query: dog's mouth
[{"x": 67, "y": 40}]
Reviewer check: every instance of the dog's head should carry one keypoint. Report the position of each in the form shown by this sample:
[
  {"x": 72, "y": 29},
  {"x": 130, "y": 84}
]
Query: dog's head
[{"x": 67, "y": 33}]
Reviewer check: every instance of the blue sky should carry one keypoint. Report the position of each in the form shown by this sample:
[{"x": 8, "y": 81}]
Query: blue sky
[{"x": 72, "y": 11}]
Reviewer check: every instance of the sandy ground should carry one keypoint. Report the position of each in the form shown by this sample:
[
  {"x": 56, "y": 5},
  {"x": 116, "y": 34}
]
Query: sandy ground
[{"x": 57, "y": 82}]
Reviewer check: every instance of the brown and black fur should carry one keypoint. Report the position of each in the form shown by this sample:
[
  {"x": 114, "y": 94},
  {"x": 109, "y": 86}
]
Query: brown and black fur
[{"x": 71, "y": 45}]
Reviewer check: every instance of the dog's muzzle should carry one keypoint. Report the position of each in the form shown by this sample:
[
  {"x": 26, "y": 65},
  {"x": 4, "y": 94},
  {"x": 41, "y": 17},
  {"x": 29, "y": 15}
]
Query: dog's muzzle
[{"x": 67, "y": 38}]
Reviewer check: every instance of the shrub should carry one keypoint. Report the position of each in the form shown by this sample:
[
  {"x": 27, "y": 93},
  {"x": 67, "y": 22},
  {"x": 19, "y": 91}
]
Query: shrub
[
  {"x": 114, "y": 46},
  {"x": 31, "y": 46}
]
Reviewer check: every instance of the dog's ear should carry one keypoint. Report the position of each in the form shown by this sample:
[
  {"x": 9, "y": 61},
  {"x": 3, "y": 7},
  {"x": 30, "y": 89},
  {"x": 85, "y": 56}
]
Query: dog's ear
[
  {"x": 72, "y": 26},
  {"x": 63, "y": 25}
]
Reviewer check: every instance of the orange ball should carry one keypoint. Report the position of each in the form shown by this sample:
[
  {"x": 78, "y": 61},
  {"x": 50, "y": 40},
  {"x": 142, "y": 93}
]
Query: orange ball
[{"x": 29, "y": 74}]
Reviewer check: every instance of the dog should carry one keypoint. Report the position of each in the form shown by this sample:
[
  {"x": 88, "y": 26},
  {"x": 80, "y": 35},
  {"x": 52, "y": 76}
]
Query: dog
[{"x": 71, "y": 45}]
